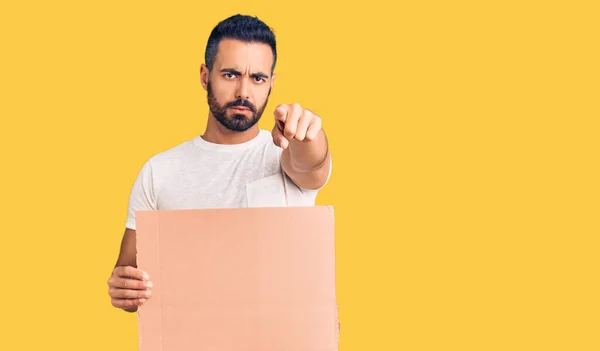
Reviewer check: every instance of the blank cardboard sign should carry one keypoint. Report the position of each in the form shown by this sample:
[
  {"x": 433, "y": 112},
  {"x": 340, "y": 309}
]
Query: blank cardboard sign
[{"x": 243, "y": 279}]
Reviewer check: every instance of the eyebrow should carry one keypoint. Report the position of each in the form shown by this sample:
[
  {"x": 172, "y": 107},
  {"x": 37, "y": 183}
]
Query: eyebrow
[{"x": 253, "y": 75}]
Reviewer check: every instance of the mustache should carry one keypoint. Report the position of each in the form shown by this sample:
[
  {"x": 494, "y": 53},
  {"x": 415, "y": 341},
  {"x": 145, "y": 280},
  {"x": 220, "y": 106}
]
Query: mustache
[{"x": 241, "y": 103}]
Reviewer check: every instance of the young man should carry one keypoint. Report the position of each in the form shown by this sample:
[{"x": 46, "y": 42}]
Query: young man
[{"x": 234, "y": 163}]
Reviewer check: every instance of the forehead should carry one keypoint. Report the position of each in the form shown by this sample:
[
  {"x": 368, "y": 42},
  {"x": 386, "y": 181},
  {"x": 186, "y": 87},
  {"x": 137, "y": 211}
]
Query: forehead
[{"x": 243, "y": 55}]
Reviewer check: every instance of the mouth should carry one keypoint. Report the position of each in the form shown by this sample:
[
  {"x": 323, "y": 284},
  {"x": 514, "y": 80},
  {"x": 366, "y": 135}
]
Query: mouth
[{"x": 240, "y": 108}]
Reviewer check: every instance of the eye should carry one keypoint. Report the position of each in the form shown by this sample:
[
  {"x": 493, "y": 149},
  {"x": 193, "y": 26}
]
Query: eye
[
  {"x": 259, "y": 79},
  {"x": 229, "y": 75}
]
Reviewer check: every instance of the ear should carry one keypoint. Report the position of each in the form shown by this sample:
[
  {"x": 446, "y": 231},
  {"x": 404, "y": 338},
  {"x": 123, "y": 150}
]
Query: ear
[
  {"x": 273, "y": 79},
  {"x": 204, "y": 76}
]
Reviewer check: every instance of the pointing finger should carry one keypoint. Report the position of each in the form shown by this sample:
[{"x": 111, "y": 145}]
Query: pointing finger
[
  {"x": 280, "y": 113},
  {"x": 291, "y": 123}
]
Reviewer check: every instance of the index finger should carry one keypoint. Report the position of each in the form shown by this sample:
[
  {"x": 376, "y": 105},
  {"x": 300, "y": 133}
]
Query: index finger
[
  {"x": 281, "y": 113},
  {"x": 132, "y": 272}
]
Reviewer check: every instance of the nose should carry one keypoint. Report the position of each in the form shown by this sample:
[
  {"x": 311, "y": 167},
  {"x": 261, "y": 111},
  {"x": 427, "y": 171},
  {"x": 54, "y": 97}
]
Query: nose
[{"x": 243, "y": 89}]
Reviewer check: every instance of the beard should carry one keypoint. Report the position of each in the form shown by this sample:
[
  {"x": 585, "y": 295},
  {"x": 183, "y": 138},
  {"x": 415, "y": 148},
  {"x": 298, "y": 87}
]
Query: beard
[{"x": 238, "y": 122}]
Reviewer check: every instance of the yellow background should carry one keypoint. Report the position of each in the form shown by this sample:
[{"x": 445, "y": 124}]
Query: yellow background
[{"x": 465, "y": 143}]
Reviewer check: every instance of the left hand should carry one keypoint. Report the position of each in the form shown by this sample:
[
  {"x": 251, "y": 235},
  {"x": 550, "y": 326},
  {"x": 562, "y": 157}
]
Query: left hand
[{"x": 293, "y": 122}]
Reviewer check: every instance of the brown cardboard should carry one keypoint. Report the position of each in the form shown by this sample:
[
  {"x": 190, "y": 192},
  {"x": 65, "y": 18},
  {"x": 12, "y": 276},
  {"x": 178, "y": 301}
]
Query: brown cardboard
[{"x": 243, "y": 279}]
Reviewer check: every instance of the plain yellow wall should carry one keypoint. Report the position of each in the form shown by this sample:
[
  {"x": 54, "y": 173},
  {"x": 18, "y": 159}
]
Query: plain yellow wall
[{"x": 465, "y": 144}]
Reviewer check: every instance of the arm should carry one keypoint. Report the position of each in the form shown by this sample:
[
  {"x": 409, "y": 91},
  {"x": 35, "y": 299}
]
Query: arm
[
  {"x": 127, "y": 252},
  {"x": 129, "y": 287},
  {"x": 306, "y": 157}
]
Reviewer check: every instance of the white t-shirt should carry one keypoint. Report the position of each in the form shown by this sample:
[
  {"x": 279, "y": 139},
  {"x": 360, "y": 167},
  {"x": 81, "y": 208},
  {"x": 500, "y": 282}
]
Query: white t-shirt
[{"x": 198, "y": 174}]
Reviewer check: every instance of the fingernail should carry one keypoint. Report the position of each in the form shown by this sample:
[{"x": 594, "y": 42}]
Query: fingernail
[
  {"x": 149, "y": 284},
  {"x": 146, "y": 277},
  {"x": 148, "y": 293},
  {"x": 142, "y": 300}
]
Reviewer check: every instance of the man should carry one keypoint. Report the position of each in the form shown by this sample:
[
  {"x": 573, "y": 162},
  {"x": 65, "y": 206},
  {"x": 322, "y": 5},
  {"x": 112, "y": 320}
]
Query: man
[{"x": 234, "y": 163}]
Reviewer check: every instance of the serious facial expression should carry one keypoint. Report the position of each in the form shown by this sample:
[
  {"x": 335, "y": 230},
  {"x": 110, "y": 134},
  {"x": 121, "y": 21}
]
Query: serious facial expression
[{"x": 240, "y": 83}]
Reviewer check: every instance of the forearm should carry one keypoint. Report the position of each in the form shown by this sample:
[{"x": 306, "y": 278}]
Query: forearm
[
  {"x": 307, "y": 162},
  {"x": 306, "y": 156}
]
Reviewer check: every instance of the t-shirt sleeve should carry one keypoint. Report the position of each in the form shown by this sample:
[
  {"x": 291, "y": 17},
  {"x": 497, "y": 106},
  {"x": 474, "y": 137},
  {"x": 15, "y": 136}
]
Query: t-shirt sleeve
[{"x": 142, "y": 196}]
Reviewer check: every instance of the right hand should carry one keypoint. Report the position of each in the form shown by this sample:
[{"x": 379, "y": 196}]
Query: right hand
[{"x": 129, "y": 287}]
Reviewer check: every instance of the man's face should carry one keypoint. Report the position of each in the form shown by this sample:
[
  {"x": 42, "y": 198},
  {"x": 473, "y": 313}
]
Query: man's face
[{"x": 239, "y": 84}]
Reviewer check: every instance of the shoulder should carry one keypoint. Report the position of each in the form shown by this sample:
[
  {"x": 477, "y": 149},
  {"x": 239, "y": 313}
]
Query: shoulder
[
  {"x": 163, "y": 162},
  {"x": 176, "y": 153}
]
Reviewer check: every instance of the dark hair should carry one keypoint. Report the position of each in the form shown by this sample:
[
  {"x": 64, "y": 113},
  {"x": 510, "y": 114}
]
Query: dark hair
[{"x": 241, "y": 27}]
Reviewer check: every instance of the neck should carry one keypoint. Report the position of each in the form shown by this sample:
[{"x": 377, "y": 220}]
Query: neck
[{"x": 216, "y": 133}]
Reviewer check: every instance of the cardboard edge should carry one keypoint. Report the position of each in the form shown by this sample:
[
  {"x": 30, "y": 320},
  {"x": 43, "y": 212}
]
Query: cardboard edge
[{"x": 148, "y": 229}]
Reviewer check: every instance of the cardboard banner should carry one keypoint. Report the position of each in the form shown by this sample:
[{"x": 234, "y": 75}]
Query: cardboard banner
[{"x": 240, "y": 279}]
